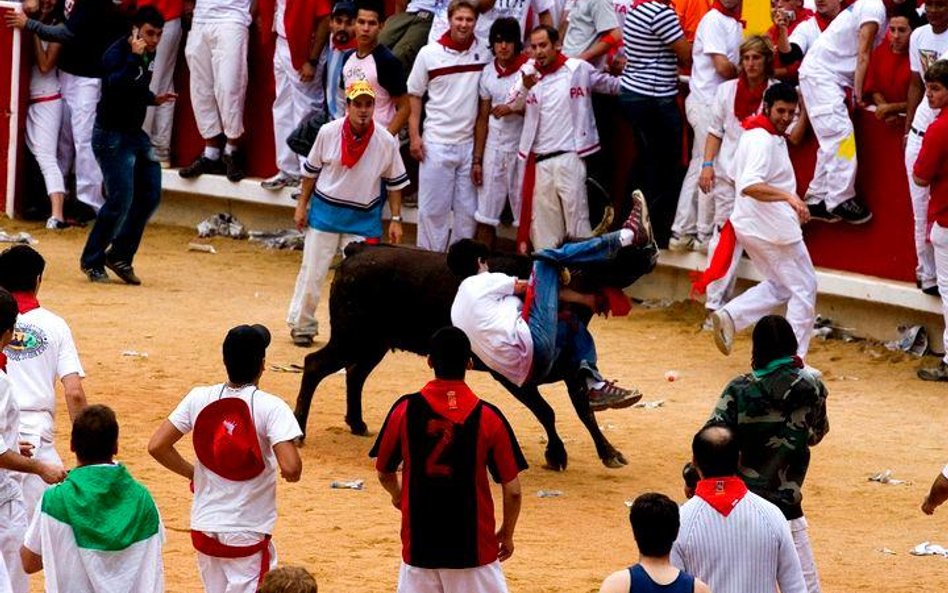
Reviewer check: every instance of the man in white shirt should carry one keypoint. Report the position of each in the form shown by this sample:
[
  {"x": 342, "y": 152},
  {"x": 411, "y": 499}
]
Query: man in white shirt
[
  {"x": 926, "y": 45},
  {"x": 792, "y": 46},
  {"x": 592, "y": 30},
  {"x": 241, "y": 435},
  {"x": 714, "y": 60},
  {"x": 41, "y": 352},
  {"x": 448, "y": 72},
  {"x": 766, "y": 222},
  {"x": 730, "y": 538}
]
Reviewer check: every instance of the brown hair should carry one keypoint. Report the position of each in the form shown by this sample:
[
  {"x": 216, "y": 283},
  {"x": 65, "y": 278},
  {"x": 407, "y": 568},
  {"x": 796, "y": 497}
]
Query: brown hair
[
  {"x": 760, "y": 44},
  {"x": 456, "y": 4},
  {"x": 938, "y": 72},
  {"x": 288, "y": 579}
]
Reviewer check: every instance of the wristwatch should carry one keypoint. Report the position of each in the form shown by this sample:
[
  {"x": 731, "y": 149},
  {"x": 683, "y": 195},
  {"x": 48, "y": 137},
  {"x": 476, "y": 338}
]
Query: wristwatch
[{"x": 397, "y": 218}]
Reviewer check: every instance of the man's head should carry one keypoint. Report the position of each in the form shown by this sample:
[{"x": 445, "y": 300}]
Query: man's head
[
  {"x": 462, "y": 14},
  {"x": 545, "y": 44},
  {"x": 655, "y": 523},
  {"x": 731, "y": 4},
  {"x": 780, "y": 105},
  {"x": 828, "y": 8},
  {"x": 936, "y": 84},
  {"x": 773, "y": 339},
  {"x": 368, "y": 23},
  {"x": 757, "y": 58},
  {"x": 450, "y": 354},
  {"x": 900, "y": 29},
  {"x": 149, "y": 24},
  {"x": 289, "y": 579},
  {"x": 8, "y": 313},
  {"x": 466, "y": 257},
  {"x": 360, "y": 98},
  {"x": 788, "y": 5},
  {"x": 715, "y": 452},
  {"x": 342, "y": 22},
  {"x": 21, "y": 269},
  {"x": 936, "y": 11},
  {"x": 94, "y": 435},
  {"x": 505, "y": 39},
  {"x": 245, "y": 350}
]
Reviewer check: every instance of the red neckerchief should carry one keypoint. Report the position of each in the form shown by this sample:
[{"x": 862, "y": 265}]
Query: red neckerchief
[
  {"x": 514, "y": 66},
  {"x": 734, "y": 13},
  {"x": 25, "y": 301},
  {"x": 722, "y": 494},
  {"x": 354, "y": 146},
  {"x": 447, "y": 41},
  {"x": 823, "y": 21},
  {"x": 558, "y": 62},
  {"x": 760, "y": 121},
  {"x": 351, "y": 44},
  {"x": 453, "y": 400},
  {"x": 747, "y": 99}
]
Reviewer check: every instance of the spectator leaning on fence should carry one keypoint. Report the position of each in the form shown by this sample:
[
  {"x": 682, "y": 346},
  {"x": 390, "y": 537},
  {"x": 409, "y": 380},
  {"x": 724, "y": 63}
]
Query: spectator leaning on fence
[{"x": 889, "y": 76}]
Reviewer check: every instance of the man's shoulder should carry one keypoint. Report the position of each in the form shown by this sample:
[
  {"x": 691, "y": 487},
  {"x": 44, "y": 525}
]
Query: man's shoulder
[
  {"x": 768, "y": 511},
  {"x": 384, "y": 56}
]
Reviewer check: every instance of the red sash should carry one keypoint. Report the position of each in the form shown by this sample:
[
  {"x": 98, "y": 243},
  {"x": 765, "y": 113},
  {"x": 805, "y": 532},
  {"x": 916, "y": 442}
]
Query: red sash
[
  {"x": 209, "y": 546},
  {"x": 526, "y": 205}
]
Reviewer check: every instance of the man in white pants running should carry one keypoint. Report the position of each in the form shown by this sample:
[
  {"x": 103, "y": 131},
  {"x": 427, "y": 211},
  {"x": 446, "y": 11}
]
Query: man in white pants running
[
  {"x": 448, "y": 72},
  {"x": 159, "y": 119},
  {"x": 766, "y": 219}
]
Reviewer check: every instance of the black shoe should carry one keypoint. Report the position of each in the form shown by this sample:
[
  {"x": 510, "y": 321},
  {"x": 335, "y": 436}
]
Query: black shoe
[
  {"x": 938, "y": 373},
  {"x": 932, "y": 290},
  {"x": 200, "y": 166},
  {"x": 96, "y": 274},
  {"x": 852, "y": 211},
  {"x": 233, "y": 167},
  {"x": 123, "y": 270},
  {"x": 818, "y": 211}
]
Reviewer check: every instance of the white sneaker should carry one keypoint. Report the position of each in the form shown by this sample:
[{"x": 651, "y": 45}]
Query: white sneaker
[
  {"x": 700, "y": 246},
  {"x": 723, "y": 329},
  {"x": 54, "y": 224},
  {"x": 680, "y": 244}
]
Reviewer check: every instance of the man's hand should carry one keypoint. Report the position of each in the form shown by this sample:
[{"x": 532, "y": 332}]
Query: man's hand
[
  {"x": 530, "y": 80},
  {"x": 165, "y": 98},
  {"x": 617, "y": 65},
  {"x": 927, "y": 507},
  {"x": 51, "y": 474},
  {"x": 417, "y": 149},
  {"x": 15, "y": 20},
  {"x": 800, "y": 207},
  {"x": 502, "y": 110},
  {"x": 477, "y": 174},
  {"x": 300, "y": 216},
  {"x": 138, "y": 44},
  {"x": 706, "y": 179},
  {"x": 779, "y": 18},
  {"x": 505, "y": 545},
  {"x": 26, "y": 448},
  {"x": 395, "y": 232},
  {"x": 307, "y": 72}
]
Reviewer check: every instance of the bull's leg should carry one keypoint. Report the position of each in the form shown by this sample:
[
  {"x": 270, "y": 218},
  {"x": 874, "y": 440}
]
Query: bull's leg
[
  {"x": 529, "y": 395},
  {"x": 610, "y": 456},
  {"x": 316, "y": 367},
  {"x": 356, "y": 374}
]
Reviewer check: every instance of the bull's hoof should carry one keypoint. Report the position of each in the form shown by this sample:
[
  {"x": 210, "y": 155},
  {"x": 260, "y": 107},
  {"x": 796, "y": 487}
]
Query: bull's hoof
[
  {"x": 556, "y": 458},
  {"x": 615, "y": 460},
  {"x": 360, "y": 429}
]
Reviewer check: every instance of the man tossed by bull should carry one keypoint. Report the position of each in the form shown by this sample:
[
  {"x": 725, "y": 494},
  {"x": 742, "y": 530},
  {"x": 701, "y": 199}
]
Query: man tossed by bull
[{"x": 517, "y": 328}]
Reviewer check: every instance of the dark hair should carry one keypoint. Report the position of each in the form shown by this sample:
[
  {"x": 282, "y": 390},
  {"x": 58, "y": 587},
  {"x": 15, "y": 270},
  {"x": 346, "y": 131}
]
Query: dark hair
[
  {"x": 773, "y": 338},
  {"x": 95, "y": 434},
  {"x": 655, "y": 523},
  {"x": 148, "y": 15},
  {"x": 450, "y": 351},
  {"x": 20, "y": 268},
  {"x": 716, "y": 452},
  {"x": 464, "y": 255},
  {"x": 375, "y": 6},
  {"x": 506, "y": 29},
  {"x": 689, "y": 474},
  {"x": 909, "y": 10},
  {"x": 938, "y": 72},
  {"x": 782, "y": 91},
  {"x": 245, "y": 349},
  {"x": 8, "y": 311},
  {"x": 551, "y": 32}
]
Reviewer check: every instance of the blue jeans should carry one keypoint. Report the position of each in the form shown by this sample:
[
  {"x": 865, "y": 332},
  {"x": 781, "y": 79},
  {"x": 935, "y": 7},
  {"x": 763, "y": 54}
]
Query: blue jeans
[
  {"x": 552, "y": 336},
  {"x": 132, "y": 191}
]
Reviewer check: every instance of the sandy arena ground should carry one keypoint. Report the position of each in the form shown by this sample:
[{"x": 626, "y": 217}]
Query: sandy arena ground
[{"x": 881, "y": 417}]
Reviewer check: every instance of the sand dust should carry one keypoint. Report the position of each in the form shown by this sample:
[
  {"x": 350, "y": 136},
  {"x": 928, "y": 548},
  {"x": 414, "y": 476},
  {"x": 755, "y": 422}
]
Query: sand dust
[{"x": 881, "y": 418}]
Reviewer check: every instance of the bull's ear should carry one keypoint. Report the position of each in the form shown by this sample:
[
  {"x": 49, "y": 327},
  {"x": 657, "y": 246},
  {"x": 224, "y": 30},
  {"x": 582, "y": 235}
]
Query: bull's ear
[{"x": 430, "y": 363}]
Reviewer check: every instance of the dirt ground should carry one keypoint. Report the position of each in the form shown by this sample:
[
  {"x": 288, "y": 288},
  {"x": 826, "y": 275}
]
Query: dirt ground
[{"x": 881, "y": 418}]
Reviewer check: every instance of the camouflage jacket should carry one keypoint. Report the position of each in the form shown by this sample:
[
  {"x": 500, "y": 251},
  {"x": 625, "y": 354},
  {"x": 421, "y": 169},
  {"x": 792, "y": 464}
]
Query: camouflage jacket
[{"x": 777, "y": 413}]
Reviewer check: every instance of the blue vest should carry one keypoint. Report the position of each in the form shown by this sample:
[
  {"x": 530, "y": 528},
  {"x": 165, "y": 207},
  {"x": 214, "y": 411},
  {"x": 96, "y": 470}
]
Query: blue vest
[{"x": 642, "y": 583}]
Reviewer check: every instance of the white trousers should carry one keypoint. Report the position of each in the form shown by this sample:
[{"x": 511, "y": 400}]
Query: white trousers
[
  {"x": 447, "y": 198},
  {"x": 835, "y": 173},
  {"x": 801, "y": 541},
  {"x": 940, "y": 245},
  {"x": 695, "y": 210},
  {"x": 790, "y": 280},
  {"x": 13, "y": 524},
  {"x": 483, "y": 579},
  {"x": 158, "y": 120},
  {"x": 217, "y": 57},
  {"x": 503, "y": 182},
  {"x": 925, "y": 255},
  {"x": 319, "y": 248},
  {"x": 233, "y": 575},
  {"x": 294, "y": 101},
  {"x": 32, "y": 485},
  {"x": 81, "y": 95},
  {"x": 560, "y": 204},
  {"x": 43, "y": 122},
  {"x": 720, "y": 291}
]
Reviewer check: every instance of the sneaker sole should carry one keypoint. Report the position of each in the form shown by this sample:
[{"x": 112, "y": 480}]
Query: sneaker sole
[
  {"x": 720, "y": 340},
  {"x": 863, "y": 220},
  {"x": 630, "y": 401},
  {"x": 130, "y": 282},
  {"x": 925, "y": 376},
  {"x": 645, "y": 218}
]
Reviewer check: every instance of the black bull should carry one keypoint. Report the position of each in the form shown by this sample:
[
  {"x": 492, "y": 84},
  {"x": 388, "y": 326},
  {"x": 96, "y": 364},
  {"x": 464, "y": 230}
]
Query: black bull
[{"x": 385, "y": 298}]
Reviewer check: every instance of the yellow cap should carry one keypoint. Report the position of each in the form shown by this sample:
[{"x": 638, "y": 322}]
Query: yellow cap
[{"x": 360, "y": 87}]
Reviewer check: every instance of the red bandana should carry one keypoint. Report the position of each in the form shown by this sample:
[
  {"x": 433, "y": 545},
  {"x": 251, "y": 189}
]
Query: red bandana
[
  {"x": 760, "y": 121},
  {"x": 25, "y": 301},
  {"x": 354, "y": 146},
  {"x": 558, "y": 62},
  {"x": 734, "y": 13},
  {"x": 747, "y": 99},
  {"x": 722, "y": 494},
  {"x": 450, "y": 43},
  {"x": 512, "y": 68},
  {"x": 823, "y": 21}
]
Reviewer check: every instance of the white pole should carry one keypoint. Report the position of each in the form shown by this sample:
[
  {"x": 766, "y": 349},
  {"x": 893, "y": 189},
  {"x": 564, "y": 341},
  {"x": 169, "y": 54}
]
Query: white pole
[{"x": 13, "y": 140}]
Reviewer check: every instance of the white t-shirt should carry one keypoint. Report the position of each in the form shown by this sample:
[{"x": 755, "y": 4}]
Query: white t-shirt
[
  {"x": 488, "y": 311},
  {"x": 42, "y": 351},
  {"x": 555, "y": 129},
  {"x": 762, "y": 157},
  {"x": 588, "y": 20},
  {"x": 725, "y": 125},
  {"x": 716, "y": 34},
  {"x": 213, "y": 12},
  {"x": 925, "y": 48},
  {"x": 834, "y": 52},
  {"x": 517, "y": 9},
  {"x": 366, "y": 68},
  {"x": 502, "y": 132},
  {"x": 221, "y": 505},
  {"x": 805, "y": 34},
  {"x": 9, "y": 439},
  {"x": 451, "y": 80},
  {"x": 44, "y": 84}
]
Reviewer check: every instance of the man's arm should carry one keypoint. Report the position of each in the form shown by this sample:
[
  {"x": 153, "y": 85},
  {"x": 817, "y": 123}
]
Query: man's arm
[
  {"x": 789, "y": 573},
  {"x": 937, "y": 495},
  {"x": 161, "y": 447},
  {"x": 32, "y": 562},
  {"x": 47, "y": 57},
  {"x": 712, "y": 146},
  {"x": 414, "y": 128},
  {"x": 723, "y": 66},
  {"x": 603, "y": 44},
  {"x": 480, "y": 141},
  {"x": 395, "y": 232},
  {"x": 867, "y": 36},
  {"x": 682, "y": 50},
  {"x": 302, "y": 203},
  {"x": 288, "y": 458},
  {"x": 916, "y": 92},
  {"x": 75, "y": 395},
  {"x": 767, "y": 193},
  {"x": 617, "y": 582},
  {"x": 402, "y": 113},
  {"x": 512, "y": 500},
  {"x": 389, "y": 481},
  {"x": 13, "y": 461}
]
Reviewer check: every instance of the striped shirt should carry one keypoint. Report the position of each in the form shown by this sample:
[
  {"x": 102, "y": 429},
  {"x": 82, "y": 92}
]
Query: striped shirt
[
  {"x": 651, "y": 67},
  {"x": 749, "y": 551}
]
